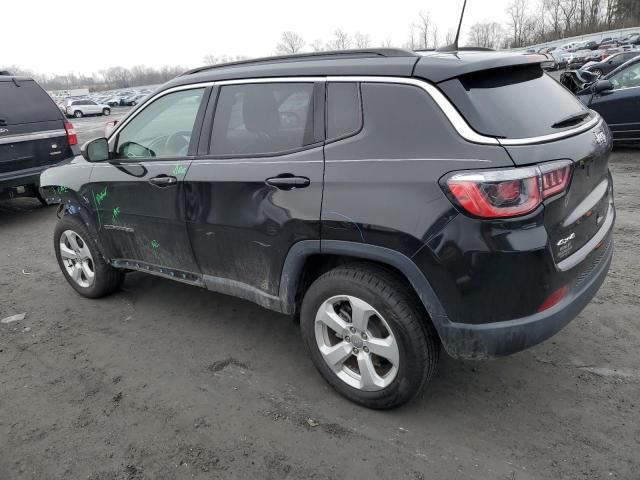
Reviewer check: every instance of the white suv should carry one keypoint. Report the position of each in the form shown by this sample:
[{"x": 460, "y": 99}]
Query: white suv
[{"x": 80, "y": 108}]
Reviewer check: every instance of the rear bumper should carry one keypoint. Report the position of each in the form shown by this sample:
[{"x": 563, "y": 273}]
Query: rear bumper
[
  {"x": 504, "y": 338},
  {"x": 22, "y": 177}
]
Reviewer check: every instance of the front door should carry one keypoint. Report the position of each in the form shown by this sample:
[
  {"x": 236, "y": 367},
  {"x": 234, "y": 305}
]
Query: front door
[
  {"x": 258, "y": 188},
  {"x": 138, "y": 196},
  {"x": 620, "y": 107}
]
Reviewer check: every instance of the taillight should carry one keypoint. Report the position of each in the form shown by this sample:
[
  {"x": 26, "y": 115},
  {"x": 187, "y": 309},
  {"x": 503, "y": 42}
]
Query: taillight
[
  {"x": 554, "y": 298},
  {"x": 72, "y": 138},
  {"x": 508, "y": 192}
]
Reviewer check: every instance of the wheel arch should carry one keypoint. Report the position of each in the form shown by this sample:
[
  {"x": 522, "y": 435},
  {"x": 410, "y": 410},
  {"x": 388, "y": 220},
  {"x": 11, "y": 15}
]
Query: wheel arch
[{"x": 308, "y": 253}]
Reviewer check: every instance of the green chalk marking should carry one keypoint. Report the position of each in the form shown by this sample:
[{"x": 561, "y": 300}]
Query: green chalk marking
[
  {"x": 100, "y": 196},
  {"x": 180, "y": 170},
  {"x": 62, "y": 190},
  {"x": 154, "y": 244},
  {"x": 114, "y": 214}
]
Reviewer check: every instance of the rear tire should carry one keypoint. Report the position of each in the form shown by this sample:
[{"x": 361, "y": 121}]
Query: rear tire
[
  {"x": 106, "y": 112},
  {"x": 359, "y": 361},
  {"x": 77, "y": 114},
  {"x": 80, "y": 260}
]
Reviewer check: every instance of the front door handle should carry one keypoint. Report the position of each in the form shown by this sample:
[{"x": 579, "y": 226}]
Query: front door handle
[
  {"x": 163, "y": 180},
  {"x": 288, "y": 182}
]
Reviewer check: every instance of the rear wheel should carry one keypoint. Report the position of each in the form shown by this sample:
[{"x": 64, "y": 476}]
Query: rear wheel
[
  {"x": 106, "y": 112},
  {"x": 81, "y": 262},
  {"x": 77, "y": 114},
  {"x": 368, "y": 335}
]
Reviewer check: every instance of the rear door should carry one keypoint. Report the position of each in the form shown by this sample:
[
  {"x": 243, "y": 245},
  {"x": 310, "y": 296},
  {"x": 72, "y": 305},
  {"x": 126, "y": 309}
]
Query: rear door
[
  {"x": 620, "y": 107},
  {"x": 138, "y": 196},
  {"x": 32, "y": 133},
  {"x": 257, "y": 189}
]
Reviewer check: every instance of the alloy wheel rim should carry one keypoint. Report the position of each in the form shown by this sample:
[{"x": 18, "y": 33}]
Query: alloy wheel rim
[
  {"x": 356, "y": 342},
  {"x": 76, "y": 258}
]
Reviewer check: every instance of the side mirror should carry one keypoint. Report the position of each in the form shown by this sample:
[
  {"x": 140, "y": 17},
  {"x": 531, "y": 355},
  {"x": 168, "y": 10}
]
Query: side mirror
[
  {"x": 96, "y": 150},
  {"x": 601, "y": 86}
]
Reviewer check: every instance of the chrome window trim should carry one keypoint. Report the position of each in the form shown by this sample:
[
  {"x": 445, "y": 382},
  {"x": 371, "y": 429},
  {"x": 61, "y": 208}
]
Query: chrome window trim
[
  {"x": 25, "y": 137},
  {"x": 455, "y": 118}
]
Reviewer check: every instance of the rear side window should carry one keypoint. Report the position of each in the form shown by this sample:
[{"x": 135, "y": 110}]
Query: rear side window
[
  {"x": 344, "y": 114},
  {"x": 514, "y": 102},
  {"x": 24, "y": 101},
  {"x": 262, "y": 119}
]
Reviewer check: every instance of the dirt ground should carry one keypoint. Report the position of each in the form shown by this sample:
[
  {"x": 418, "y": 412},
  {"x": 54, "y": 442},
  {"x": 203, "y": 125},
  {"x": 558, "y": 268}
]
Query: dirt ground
[{"x": 163, "y": 380}]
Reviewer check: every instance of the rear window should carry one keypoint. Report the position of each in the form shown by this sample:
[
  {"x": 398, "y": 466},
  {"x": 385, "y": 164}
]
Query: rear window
[
  {"x": 515, "y": 102},
  {"x": 24, "y": 101}
]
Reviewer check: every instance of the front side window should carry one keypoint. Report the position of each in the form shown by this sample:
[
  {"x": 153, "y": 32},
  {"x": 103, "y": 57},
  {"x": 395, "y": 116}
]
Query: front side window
[
  {"x": 163, "y": 129},
  {"x": 629, "y": 77},
  {"x": 262, "y": 119}
]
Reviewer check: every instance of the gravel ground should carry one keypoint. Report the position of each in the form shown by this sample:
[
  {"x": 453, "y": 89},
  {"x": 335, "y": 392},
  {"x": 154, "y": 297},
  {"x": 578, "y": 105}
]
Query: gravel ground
[{"x": 163, "y": 380}]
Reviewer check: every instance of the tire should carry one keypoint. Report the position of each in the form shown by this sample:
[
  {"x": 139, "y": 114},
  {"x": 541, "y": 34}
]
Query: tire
[
  {"x": 106, "y": 279},
  {"x": 77, "y": 114},
  {"x": 106, "y": 112},
  {"x": 395, "y": 316}
]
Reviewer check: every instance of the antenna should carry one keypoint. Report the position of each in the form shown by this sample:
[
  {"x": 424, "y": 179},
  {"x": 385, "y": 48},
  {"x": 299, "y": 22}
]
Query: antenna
[{"x": 454, "y": 46}]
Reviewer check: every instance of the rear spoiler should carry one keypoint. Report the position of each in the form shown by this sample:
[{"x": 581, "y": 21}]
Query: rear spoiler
[{"x": 438, "y": 67}]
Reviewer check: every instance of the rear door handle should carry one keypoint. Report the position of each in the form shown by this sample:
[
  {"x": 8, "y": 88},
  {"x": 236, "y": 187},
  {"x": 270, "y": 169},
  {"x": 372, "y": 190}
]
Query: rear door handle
[
  {"x": 163, "y": 180},
  {"x": 288, "y": 182}
]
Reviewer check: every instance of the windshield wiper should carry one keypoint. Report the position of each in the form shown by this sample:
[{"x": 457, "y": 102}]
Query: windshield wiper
[{"x": 571, "y": 120}]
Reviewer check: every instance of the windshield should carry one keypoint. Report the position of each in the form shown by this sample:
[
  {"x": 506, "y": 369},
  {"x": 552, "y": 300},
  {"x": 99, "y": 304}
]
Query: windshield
[{"x": 514, "y": 102}]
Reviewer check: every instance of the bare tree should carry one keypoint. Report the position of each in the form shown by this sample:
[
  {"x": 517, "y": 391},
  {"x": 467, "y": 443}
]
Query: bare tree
[
  {"x": 317, "y": 46},
  {"x": 434, "y": 36},
  {"x": 386, "y": 43},
  {"x": 450, "y": 36},
  {"x": 290, "y": 43},
  {"x": 486, "y": 34},
  {"x": 211, "y": 59},
  {"x": 517, "y": 16},
  {"x": 423, "y": 27},
  {"x": 362, "y": 40},
  {"x": 341, "y": 41}
]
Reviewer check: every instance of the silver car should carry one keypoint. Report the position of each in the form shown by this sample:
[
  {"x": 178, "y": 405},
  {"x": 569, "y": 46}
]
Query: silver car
[{"x": 80, "y": 108}]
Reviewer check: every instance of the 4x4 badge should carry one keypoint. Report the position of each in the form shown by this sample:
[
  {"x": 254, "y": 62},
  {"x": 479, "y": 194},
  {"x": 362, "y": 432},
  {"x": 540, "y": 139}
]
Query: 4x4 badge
[{"x": 562, "y": 241}]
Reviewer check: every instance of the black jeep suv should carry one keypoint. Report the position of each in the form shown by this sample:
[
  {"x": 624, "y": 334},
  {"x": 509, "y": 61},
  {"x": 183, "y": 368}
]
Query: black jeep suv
[
  {"x": 33, "y": 136},
  {"x": 395, "y": 201}
]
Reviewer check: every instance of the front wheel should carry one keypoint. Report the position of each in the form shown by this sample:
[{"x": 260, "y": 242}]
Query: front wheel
[
  {"x": 368, "y": 335},
  {"x": 77, "y": 114},
  {"x": 81, "y": 262},
  {"x": 106, "y": 112}
]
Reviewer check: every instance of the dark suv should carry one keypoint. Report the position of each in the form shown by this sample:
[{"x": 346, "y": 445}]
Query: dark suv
[
  {"x": 394, "y": 201},
  {"x": 33, "y": 136}
]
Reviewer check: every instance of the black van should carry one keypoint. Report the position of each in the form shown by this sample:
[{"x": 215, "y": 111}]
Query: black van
[
  {"x": 393, "y": 201},
  {"x": 33, "y": 136}
]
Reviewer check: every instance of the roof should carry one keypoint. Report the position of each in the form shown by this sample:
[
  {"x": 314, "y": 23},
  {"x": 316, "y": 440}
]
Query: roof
[
  {"x": 433, "y": 66},
  {"x": 11, "y": 78}
]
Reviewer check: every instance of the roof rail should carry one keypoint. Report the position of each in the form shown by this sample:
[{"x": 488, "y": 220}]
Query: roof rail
[{"x": 328, "y": 55}]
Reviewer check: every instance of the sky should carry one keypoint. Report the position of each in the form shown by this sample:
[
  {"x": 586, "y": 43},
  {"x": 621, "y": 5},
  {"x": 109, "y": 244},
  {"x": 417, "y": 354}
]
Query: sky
[{"x": 84, "y": 36}]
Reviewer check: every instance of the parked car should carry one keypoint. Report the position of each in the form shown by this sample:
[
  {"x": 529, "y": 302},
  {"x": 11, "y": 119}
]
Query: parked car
[
  {"x": 631, "y": 40},
  {"x": 34, "y": 135},
  {"x": 617, "y": 98},
  {"x": 393, "y": 201},
  {"x": 82, "y": 108},
  {"x": 611, "y": 63},
  {"x": 591, "y": 45},
  {"x": 578, "y": 59}
]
